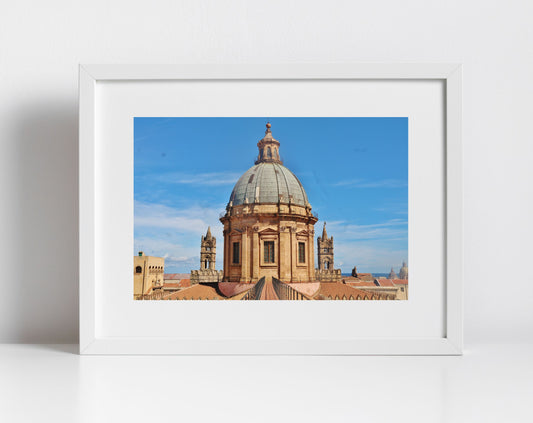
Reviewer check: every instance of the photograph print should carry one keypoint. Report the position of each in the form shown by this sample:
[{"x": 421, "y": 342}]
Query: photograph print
[{"x": 270, "y": 208}]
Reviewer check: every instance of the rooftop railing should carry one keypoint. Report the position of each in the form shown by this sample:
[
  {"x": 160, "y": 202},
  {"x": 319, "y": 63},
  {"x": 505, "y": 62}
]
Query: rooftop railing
[
  {"x": 286, "y": 292},
  {"x": 255, "y": 292}
]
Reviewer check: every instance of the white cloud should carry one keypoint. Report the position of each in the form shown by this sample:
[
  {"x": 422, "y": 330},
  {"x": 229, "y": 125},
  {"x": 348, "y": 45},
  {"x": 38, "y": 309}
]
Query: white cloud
[
  {"x": 175, "y": 234},
  {"x": 175, "y": 255},
  {"x": 391, "y": 230},
  {"x": 372, "y": 248},
  {"x": 368, "y": 256},
  {"x": 194, "y": 219},
  {"x": 362, "y": 183},
  {"x": 206, "y": 179}
]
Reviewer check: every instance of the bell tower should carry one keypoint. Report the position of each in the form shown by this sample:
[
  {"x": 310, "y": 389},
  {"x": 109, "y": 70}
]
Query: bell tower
[
  {"x": 208, "y": 251},
  {"x": 325, "y": 251}
]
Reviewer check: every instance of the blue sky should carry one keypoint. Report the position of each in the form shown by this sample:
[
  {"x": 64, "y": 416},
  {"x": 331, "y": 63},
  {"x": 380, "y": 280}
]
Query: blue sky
[{"x": 354, "y": 171}]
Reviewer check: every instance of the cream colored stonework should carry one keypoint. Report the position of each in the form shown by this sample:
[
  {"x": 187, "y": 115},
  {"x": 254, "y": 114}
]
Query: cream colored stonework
[
  {"x": 148, "y": 274},
  {"x": 286, "y": 225}
]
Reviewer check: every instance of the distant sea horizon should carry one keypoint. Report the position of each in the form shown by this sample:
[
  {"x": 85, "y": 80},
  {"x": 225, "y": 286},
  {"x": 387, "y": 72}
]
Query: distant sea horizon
[{"x": 376, "y": 275}]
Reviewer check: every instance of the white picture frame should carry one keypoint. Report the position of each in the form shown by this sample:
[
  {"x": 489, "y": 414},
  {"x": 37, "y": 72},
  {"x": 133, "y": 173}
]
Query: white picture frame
[{"x": 94, "y": 342}]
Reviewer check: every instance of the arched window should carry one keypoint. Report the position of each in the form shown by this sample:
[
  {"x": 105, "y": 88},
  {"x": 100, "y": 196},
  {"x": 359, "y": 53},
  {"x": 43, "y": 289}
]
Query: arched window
[
  {"x": 269, "y": 153},
  {"x": 138, "y": 269}
]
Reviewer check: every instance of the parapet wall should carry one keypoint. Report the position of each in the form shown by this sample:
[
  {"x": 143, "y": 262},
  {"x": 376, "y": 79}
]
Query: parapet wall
[
  {"x": 206, "y": 276},
  {"x": 328, "y": 275}
]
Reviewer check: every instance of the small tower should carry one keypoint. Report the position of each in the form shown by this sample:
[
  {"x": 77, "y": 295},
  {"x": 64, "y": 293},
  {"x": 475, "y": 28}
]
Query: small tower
[
  {"x": 268, "y": 148},
  {"x": 404, "y": 273},
  {"x": 325, "y": 251},
  {"x": 208, "y": 251},
  {"x": 392, "y": 274}
]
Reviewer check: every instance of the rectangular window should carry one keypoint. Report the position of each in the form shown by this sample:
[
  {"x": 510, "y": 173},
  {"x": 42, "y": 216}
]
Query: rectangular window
[
  {"x": 236, "y": 252},
  {"x": 269, "y": 252},
  {"x": 301, "y": 252}
]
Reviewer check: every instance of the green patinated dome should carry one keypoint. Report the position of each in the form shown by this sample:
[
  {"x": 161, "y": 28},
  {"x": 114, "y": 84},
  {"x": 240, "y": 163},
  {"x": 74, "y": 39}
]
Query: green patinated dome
[{"x": 268, "y": 183}]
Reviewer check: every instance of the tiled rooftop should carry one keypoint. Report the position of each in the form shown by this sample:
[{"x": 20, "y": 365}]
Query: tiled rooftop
[
  {"x": 196, "y": 292},
  {"x": 340, "y": 290}
]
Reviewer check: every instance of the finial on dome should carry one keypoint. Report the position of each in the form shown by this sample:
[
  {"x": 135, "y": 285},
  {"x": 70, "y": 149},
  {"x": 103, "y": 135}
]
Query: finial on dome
[{"x": 268, "y": 148}]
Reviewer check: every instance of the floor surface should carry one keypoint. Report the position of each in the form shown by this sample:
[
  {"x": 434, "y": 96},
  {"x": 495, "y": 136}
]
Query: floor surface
[{"x": 490, "y": 383}]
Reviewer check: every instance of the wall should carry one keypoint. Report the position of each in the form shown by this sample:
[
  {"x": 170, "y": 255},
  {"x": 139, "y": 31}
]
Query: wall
[{"x": 41, "y": 44}]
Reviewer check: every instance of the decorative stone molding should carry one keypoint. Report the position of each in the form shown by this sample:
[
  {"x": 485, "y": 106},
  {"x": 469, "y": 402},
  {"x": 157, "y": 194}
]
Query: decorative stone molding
[
  {"x": 206, "y": 276},
  {"x": 328, "y": 275}
]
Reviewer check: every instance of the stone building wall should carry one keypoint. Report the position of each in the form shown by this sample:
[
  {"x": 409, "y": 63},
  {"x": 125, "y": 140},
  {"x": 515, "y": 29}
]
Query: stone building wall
[
  {"x": 206, "y": 276},
  {"x": 148, "y": 274}
]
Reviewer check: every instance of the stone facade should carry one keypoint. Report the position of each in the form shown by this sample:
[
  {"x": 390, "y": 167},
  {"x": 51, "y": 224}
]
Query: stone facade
[
  {"x": 333, "y": 275},
  {"x": 268, "y": 224},
  {"x": 274, "y": 240},
  {"x": 148, "y": 275},
  {"x": 206, "y": 276}
]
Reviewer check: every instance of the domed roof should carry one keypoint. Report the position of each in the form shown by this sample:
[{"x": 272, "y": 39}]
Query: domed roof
[{"x": 268, "y": 183}]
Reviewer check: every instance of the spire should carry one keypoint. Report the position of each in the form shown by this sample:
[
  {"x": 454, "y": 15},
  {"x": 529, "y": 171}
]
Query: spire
[
  {"x": 268, "y": 148},
  {"x": 208, "y": 235},
  {"x": 324, "y": 233}
]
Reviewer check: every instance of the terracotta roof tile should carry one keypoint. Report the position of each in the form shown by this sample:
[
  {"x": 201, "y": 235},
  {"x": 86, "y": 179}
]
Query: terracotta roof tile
[
  {"x": 360, "y": 283},
  {"x": 385, "y": 282},
  {"x": 171, "y": 285},
  {"x": 196, "y": 292},
  {"x": 333, "y": 290},
  {"x": 174, "y": 276},
  {"x": 229, "y": 289}
]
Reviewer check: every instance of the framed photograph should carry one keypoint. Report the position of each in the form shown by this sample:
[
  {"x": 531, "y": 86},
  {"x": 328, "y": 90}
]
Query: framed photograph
[{"x": 261, "y": 209}]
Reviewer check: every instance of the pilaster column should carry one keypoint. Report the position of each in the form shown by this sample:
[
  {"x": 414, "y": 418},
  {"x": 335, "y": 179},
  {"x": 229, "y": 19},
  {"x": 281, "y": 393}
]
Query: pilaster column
[
  {"x": 284, "y": 254},
  {"x": 311, "y": 253},
  {"x": 294, "y": 254},
  {"x": 255, "y": 254},
  {"x": 245, "y": 256},
  {"x": 226, "y": 255}
]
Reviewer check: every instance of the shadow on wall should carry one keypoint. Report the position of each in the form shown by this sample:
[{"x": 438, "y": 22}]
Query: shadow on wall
[{"x": 44, "y": 296}]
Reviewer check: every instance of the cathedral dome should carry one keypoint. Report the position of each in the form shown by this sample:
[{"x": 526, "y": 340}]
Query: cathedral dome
[{"x": 268, "y": 182}]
